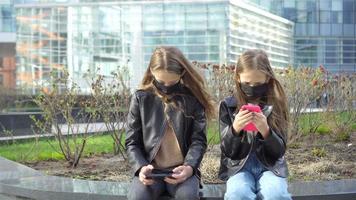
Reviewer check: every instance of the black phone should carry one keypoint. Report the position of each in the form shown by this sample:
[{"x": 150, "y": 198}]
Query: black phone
[{"x": 159, "y": 174}]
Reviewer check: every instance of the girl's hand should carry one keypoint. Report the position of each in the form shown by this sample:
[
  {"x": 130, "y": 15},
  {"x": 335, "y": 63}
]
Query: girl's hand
[
  {"x": 145, "y": 170},
  {"x": 180, "y": 174},
  {"x": 241, "y": 120},
  {"x": 260, "y": 121}
]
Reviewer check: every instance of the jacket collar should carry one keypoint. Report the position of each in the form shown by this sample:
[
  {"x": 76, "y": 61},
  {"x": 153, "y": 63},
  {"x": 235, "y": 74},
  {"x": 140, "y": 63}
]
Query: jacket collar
[{"x": 231, "y": 102}]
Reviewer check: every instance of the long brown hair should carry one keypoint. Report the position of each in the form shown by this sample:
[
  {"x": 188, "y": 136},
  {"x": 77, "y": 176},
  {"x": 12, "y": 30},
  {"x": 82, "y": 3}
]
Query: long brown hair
[
  {"x": 171, "y": 59},
  {"x": 256, "y": 59}
]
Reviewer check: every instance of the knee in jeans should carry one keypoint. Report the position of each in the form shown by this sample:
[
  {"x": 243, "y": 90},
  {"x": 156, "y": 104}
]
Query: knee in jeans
[
  {"x": 274, "y": 194},
  {"x": 186, "y": 194},
  {"x": 139, "y": 193},
  {"x": 137, "y": 196},
  {"x": 239, "y": 193}
]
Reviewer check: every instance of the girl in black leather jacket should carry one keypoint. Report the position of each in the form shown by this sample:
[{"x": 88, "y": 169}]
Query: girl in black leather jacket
[
  {"x": 252, "y": 161},
  {"x": 166, "y": 128}
]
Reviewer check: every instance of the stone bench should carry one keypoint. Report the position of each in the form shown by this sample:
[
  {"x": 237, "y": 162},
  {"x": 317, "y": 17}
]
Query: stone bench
[{"x": 26, "y": 183}]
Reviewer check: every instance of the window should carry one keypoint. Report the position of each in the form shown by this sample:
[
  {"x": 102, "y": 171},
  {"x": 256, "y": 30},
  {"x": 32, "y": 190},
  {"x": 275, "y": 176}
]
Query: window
[
  {"x": 214, "y": 48},
  {"x": 197, "y": 57},
  {"x": 336, "y": 17},
  {"x": 301, "y": 29},
  {"x": 348, "y": 42},
  {"x": 348, "y": 29},
  {"x": 152, "y": 9},
  {"x": 331, "y": 60},
  {"x": 200, "y": 49},
  {"x": 213, "y": 56},
  {"x": 325, "y": 4},
  {"x": 312, "y": 17},
  {"x": 336, "y": 5},
  {"x": 348, "y": 5},
  {"x": 301, "y": 5},
  {"x": 330, "y": 42},
  {"x": 348, "y": 17},
  {"x": 290, "y": 13},
  {"x": 325, "y": 29},
  {"x": 289, "y": 4},
  {"x": 336, "y": 29},
  {"x": 313, "y": 29},
  {"x": 216, "y": 7},
  {"x": 348, "y": 60},
  {"x": 195, "y": 40},
  {"x": 302, "y": 16},
  {"x": 325, "y": 17}
]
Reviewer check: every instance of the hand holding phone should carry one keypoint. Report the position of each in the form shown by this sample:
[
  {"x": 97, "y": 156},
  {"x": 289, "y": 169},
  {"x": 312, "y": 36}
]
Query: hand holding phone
[
  {"x": 252, "y": 108},
  {"x": 159, "y": 174}
]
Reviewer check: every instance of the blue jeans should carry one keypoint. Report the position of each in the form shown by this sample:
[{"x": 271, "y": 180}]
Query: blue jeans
[
  {"x": 189, "y": 189},
  {"x": 254, "y": 181}
]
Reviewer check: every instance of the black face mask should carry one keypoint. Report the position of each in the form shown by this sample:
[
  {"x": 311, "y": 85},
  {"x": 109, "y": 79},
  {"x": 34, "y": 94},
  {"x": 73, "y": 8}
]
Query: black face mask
[
  {"x": 166, "y": 89},
  {"x": 254, "y": 92}
]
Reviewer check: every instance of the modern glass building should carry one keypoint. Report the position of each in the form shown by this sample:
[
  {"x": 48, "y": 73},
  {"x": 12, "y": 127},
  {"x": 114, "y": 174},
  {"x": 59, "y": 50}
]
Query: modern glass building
[
  {"x": 325, "y": 31},
  {"x": 250, "y": 27},
  {"x": 7, "y": 16},
  {"x": 82, "y": 35},
  {"x": 217, "y": 31},
  {"x": 7, "y": 44},
  {"x": 77, "y": 38}
]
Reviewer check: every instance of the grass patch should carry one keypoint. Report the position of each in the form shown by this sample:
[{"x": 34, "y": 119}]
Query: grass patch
[
  {"x": 323, "y": 130},
  {"x": 343, "y": 136},
  {"x": 294, "y": 145},
  {"x": 213, "y": 136},
  {"x": 322, "y": 123},
  {"x": 43, "y": 149},
  {"x": 48, "y": 149},
  {"x": 353, "y": 127},
  {"x": 318, "y": 152},
  {"x": 308, "y": 122}
]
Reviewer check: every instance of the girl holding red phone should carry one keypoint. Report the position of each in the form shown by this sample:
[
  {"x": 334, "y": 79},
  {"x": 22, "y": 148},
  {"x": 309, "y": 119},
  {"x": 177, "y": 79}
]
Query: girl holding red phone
[{"x": 252, "y": 159}]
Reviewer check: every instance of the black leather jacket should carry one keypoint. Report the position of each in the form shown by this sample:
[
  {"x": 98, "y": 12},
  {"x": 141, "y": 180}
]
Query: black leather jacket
[
  {"x": 146, "y": 123},
  {"x": 236, "y": 148}
]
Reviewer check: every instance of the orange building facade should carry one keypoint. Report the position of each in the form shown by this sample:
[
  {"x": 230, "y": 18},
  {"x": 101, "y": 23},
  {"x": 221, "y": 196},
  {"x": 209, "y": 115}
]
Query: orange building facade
[{"x": 8, "y": 72}]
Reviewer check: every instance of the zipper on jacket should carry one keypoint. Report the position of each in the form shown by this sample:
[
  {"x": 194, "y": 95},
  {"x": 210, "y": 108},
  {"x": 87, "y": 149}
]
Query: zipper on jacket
[
  {"x": 160, "y": 140},
  {"x": 170, "y": 123},
  {"x": 276, "y": 172},
  {"x": 248, "y": 155}
]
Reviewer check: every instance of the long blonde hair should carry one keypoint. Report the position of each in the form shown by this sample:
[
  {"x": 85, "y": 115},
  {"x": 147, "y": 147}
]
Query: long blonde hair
[
  {"x": 256, "y": 59},
  {"x": 171, "y": 59}
]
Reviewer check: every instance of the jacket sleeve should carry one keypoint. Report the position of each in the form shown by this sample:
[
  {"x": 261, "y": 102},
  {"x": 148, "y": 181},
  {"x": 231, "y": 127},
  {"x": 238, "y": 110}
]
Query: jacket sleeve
[
  {"x": 134, "y": 140},
  {"x": 198, "y": 143},
  {"x": 232, "y": 145},
  {"x": 271, "y": 148}
]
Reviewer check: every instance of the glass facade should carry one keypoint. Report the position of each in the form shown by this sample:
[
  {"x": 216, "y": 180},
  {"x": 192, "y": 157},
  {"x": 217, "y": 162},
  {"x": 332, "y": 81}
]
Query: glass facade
[
  {"x": 86, "y": 35},
  {"x": 95, "y": 40},
  {"x": 198, "y": 29},
  {"x": 41, "y": 45},
  {"x": 82, "y": 35},
  {"x": 77, "y": 38},
  {"x": 325, "y": 31},
  {"x": 250, "y": 27}
]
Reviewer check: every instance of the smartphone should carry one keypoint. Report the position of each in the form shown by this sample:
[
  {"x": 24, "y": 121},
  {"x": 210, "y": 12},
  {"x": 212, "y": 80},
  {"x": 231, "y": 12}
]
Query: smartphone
[
  {"x": 160, "y": 174},
  {"x": 251, "y": 108}
]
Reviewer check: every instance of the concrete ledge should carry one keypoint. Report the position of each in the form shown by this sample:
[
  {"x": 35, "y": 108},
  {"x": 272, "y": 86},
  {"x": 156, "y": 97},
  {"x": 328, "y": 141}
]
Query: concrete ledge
[{"x": 21, "y": 181}]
